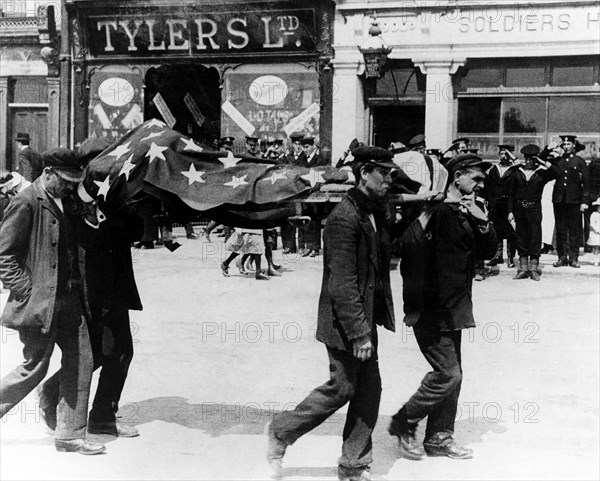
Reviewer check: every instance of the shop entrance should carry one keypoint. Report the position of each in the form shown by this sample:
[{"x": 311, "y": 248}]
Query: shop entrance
[
  {"x": 188, "y": 95},
  {"x": 393, "y": 123}
]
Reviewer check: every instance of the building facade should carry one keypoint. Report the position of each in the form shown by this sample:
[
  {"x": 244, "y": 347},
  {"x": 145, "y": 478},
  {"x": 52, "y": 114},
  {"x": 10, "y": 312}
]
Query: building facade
[
  {"x": 495, "y": 72},
  {"x": 208, "y": 69},
  {"x": 29, "y": 78}
]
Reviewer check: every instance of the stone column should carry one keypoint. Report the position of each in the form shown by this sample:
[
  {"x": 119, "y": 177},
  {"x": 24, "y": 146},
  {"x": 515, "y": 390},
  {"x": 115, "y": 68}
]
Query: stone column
[
  {"x": 4, "y": 123},
  {"x": 53, "y": 112},
  {"x": 440, "y": 101},
  {"x": 348, "y": 104}
]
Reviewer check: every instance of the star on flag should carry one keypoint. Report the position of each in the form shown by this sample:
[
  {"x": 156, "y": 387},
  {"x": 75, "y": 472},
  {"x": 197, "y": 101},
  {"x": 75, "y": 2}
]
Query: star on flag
[
  {"x": 191, "y": 145},
  {"x": 314, "y": 177},
  {"x": 230, "y": 160},
  {"x": 275, "y": 176},
  {"x": 155, "y": 123},
  {"x": 194, "y": 175},
  {"x": 237, "y": 181},
  {"x": 121, "y": 150},
  {"x": 127, "y": 167},
  {"x": 103, "y": 187},
  {"x": 156, "y": 151}
]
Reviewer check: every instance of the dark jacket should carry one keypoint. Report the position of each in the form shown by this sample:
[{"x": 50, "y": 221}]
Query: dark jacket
[
  {"x": 110, "y": 280},
  {"x": 497, "y": 186},
  {"x": 30, "y": 243},
  {"x": 572, "y": 186},
  {"x": 523, "y": 190},
  {"x": 456, "y": 242},
  {"x": 298, "y": 162},
  {"x": 30, "y": 164},
  {"x": 316, "y": 161},
  {"x": 356, "y": 291},
  {"x": 594, "y": 169}
]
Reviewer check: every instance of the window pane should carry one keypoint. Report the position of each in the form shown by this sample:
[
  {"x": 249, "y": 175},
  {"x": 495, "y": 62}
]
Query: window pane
[
  {"x": 479, "y": 115},
  {"x": 525, "y": 77},
  {"x": 481, "y": 77},
  {"x": 580, "y": 75},
  {"x": 574, "y": 114},
  {"x": 524, "y": 115},
  {"x": 406, "y": 81}
]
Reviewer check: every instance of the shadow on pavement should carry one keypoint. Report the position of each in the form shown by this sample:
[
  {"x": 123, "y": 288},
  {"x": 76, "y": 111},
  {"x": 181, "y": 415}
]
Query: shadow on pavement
[{"x": 226, "y": 419}]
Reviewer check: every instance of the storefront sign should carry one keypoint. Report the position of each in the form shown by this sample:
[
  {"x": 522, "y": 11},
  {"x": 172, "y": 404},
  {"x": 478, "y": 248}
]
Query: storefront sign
[{"x": 215, "y": 33}]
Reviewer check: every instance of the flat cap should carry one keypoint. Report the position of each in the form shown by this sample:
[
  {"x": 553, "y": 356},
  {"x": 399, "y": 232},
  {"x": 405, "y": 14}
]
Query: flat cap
[
  {"x": 510, "y": 147},
  {"x": 374, "y": 155},
  {"x": 463, "y": 161},
  {"x": 307, "y": 140},
  {"x": 461, "y": 139},
  {"x": 417, "y": 141},
  {"x": 569, "y": 138},
  {"x": 65, "y": 163},
  {"x": 296, "y": 136},
  {"x": 22, "y": 137},
  {"x": 396, "y": 147},
  {"x": 252, "y": 140},
  {"x": 530, "y": 150}
]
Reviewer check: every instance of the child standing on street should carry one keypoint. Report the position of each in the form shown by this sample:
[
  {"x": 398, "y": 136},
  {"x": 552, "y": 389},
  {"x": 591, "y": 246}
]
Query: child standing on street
[{"x": 594, "y": 237}]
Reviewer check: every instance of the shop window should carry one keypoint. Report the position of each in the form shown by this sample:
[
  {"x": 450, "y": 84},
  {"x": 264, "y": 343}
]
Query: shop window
[
  {"x": 573, "y": 76},
  {"x": 481, "y": 78},
  {"x": 479, "y": 115},
  {"x": 574, "y": 114},
  {"x": 30, "y": 90},
  {"x": 270, "y": 102},
  {"x": 525, "y": 77},
  {"x": 523, "y": 115}
]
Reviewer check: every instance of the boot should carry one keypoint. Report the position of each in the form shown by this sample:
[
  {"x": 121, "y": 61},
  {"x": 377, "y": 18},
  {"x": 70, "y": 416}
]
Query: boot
[
  {"x": 523, "y": 269},
  {"x": 498, "y": 257},
  {"x": 534, "y": 269},
  {"x": 511, "y": 251}
]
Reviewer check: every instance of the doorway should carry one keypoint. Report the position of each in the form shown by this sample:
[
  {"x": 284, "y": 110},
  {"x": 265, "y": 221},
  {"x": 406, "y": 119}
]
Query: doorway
[
  {"x": 30, "y": 120},
  {"x": 190, "y": 95},
  {"x": 393, "y": 123}
]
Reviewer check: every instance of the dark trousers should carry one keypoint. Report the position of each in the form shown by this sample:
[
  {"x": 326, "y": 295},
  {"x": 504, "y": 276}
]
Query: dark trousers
[
  {"x": 309, "y": 237},
  {"x": 112, "y": 347},
  {"x": 69, "y": 331},
  {"x": 288, "y": 237},
  {"x": 437, "y": 397},
  {"x": 569, "y": 230},
  {"x": 529, "y": 231},
  {"x": 351, "y": 381}
]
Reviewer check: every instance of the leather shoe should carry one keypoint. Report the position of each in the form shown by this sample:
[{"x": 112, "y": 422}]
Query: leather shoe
[
  {"x": 574, "y": 263},
  {"x": 314, "y": 253},
  {"x": 115, "y": 429},
  {"x": 446, "y": 446},
  {"x": 80, "y": 446},
  {"x": 275, "y": 451},
  {"x": 192, "y": 235},
  {"x": 561, "y": 263},
  {"x": 406, "y": 437},
  {"x": 362, "y": 473},
  {"x": 261, "y": 277},
  {"x": 224, "y": 269}
]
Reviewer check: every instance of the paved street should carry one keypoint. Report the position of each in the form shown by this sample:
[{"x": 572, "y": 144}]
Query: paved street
[{"x": 216, "y": 356}]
